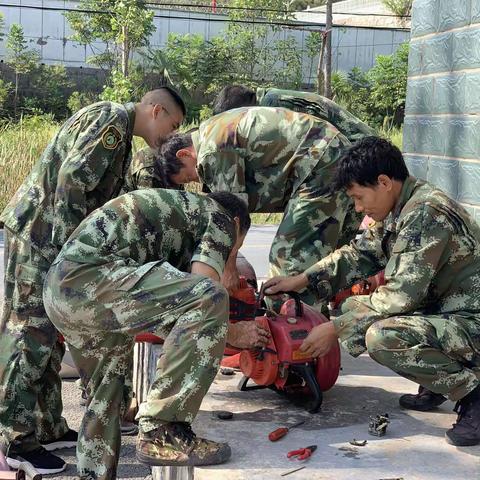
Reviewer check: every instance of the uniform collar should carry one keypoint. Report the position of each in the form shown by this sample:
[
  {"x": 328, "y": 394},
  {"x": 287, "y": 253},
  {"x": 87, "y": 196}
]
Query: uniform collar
[
  {"x": 196, "y": 140},
  {"x": 408, "y": 187},
  {"x": 130, "y": 108},
  {"x": 261, "y": 92}
]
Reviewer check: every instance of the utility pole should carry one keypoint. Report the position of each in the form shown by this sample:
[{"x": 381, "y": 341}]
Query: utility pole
[
  {"x": 324, "y": 68},
  {"x": 327, "y": 64}
]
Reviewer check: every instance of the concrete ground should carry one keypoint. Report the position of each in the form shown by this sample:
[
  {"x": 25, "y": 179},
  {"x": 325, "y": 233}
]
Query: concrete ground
[{"x": 413, "y": 449}]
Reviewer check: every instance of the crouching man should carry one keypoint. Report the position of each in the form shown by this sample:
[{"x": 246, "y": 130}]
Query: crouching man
[
  {"x": 149, "y": 260},
  {"x": 424, "y": 323}
]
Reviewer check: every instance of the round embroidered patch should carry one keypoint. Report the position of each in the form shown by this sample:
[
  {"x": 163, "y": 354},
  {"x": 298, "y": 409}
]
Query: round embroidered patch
[{"x": 111, "y": 138}]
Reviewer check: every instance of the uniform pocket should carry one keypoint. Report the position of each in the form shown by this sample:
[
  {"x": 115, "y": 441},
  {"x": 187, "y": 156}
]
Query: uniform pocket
[{"x": 135, "y": 275}]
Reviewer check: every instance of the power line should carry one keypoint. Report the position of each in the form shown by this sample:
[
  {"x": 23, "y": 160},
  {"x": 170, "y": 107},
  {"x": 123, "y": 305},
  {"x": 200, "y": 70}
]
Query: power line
[
  {"x": 273, "y": 10},
  {"x": 253, "y": 9},
  {"x": 298, "y": 25},
  {"x": 292, "y": 25}
]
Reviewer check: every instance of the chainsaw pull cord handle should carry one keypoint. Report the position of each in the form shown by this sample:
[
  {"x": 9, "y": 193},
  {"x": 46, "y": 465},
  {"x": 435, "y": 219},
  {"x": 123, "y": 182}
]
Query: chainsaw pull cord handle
[{"x": 292, "y": 294}]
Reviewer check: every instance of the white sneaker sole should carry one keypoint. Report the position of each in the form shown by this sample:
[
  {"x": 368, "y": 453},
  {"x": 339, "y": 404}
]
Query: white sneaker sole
[
  {"x": 14, "y": 463},
  {"x": 50, "y": 447}
]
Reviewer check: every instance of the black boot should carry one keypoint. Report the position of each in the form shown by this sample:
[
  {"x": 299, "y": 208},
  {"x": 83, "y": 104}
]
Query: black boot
[
  {"x": 423, "y": 401},
  {"x": 466, "y": 432}
]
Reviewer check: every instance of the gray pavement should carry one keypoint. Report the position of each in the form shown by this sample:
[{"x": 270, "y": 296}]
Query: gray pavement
[{"x": 413, "y": 449}]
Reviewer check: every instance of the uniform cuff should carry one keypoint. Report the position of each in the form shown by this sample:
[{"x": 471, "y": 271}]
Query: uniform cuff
[{"x": 210, "y": 262}]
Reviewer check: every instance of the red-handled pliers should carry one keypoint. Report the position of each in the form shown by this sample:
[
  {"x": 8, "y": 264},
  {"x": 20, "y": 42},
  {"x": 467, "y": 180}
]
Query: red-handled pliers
[{"x": 302, "y": 453}]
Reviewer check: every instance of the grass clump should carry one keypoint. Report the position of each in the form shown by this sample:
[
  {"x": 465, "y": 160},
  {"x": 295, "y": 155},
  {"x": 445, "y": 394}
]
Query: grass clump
[{"x": 21, "y": 145}]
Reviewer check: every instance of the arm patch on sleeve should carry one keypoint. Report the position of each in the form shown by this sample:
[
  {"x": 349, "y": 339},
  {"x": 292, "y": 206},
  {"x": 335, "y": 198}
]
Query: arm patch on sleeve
[{"x": 111, "y": 138}]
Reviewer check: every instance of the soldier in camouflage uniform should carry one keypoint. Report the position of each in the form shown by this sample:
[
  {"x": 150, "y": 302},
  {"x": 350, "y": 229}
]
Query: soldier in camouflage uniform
[
  {"x": 142, "y": 172},
  {"x": 124, "y": 271},
  {"x": 424, "y": 323},
  {"x": 277, "y": 161},
  {"x": 82, "y": 168},
  {"x": 235, "y": 96}
]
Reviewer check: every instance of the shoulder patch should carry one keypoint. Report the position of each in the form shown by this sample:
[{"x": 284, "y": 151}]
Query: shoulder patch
[{"x": 111, "y": 138}]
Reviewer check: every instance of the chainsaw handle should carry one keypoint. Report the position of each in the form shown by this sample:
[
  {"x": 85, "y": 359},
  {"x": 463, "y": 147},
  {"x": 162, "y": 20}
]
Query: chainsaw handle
[{"x": 292, "y": 294}]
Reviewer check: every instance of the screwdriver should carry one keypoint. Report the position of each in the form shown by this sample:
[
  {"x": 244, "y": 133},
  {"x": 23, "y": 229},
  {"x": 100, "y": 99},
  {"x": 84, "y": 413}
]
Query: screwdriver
[{"x": 281, "y": 432}]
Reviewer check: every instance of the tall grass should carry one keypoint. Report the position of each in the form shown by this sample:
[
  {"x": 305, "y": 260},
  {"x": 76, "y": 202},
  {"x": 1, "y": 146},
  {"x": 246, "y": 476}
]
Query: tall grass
[{"x": 21, "y": 145}]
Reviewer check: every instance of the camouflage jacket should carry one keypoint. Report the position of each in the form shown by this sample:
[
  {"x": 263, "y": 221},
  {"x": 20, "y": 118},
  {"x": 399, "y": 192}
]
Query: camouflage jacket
[
  {"x": 152, "y": 225},
  {"x": 307, "y": 102},
  {"x": 141, "y": 173},
  {"x": 83, "y": 167},
  {"x": 429, "y": 247},
  {"x": 264, "y": 154}
]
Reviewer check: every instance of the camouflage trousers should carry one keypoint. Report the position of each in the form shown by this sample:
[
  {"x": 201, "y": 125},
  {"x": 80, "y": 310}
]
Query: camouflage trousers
[
  {"x": 439, "y": 352},
  {"x": 30, "y": 355},
  {"x": 99, "y": 309},
  {"x": 315, "y": 224}
]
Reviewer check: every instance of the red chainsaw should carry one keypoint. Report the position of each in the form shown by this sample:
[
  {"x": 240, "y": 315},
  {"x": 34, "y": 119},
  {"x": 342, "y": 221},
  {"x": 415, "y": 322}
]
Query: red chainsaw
[{"x": 281, "y": 365}]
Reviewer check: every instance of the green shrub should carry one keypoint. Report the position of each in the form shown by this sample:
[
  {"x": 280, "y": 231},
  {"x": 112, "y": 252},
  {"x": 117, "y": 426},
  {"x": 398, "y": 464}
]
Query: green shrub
[{"x": 78, "y": 100}]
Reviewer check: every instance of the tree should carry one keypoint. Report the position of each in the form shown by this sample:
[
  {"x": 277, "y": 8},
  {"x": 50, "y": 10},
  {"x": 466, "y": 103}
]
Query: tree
[
  {"x": 388, "y": 80},
  {"x": 258, "y": 51},
  {"x": 19, "y": 57},
  {"x": 123, "y": 26}
]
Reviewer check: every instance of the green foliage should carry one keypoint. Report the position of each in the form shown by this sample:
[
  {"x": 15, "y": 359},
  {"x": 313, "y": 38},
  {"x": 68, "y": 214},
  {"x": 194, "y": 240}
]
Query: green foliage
[
  {"x": 195, "y": 63},
  {"x": 121, "y": 89},
  {"x": 377, "y": 96},
  {"x": 124, "y": 27},
  {"x": 388, "y": 80},
  {"x": 19, "y": 57},
  {"x": 5, "y": 88},
  {"x": 78, "y": 100},
  {"x": 50, "y": 84}
]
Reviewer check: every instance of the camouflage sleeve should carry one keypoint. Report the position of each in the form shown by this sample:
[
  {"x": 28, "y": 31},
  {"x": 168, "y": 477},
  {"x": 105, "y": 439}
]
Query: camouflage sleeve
[
  {"x": 422, "y": 247},
  {"x": 95, "y": 149},
  {"x": 347, "y": 265},
  {"x": 223, "y": 170},
  {"x": 216, "y": 243},
  {"x": 144, "y": 178}
]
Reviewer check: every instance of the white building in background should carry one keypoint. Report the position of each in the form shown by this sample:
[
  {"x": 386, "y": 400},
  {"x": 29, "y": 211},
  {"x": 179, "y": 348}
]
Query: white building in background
[
  {"x": 357, "y": 13},
  {"x": 354, "y": 44}
]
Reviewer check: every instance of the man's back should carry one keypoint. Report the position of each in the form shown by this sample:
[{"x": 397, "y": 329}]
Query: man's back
[
  {"x": 81, "y": 168},
  {"x": 265, "y": 153},
  {"x": 150, "y": 225},
  {"x": 311, "y": 103}
]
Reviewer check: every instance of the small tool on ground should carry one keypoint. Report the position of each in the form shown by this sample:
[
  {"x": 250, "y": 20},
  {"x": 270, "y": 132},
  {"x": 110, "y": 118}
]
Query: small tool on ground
[
  {"x": 281, "y": 432},
  {"x": 378, "y": 425},
  {"x": 302, "y": 453},
  {"x": 358, "y": 443},
  {"x": 291, "y": 471}
]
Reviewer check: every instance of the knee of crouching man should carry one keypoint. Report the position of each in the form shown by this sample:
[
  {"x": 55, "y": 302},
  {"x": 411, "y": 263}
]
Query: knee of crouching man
[{"x": 374, "y": 338}]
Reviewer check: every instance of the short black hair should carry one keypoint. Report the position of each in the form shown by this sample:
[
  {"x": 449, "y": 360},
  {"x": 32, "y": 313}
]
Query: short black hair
[
  {"x": 168, "y": 164},
  {"x": 234, "y": 96},
  {"x": 368, "y": 158},
  {"x": 235, "y": 206},
  {"x": 173, "y": 94}
]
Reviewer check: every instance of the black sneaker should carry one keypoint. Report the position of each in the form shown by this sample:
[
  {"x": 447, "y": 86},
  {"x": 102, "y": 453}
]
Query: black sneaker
[
  {"x": 466, "y": 431},
  {"x": 45, "y": 462},
  {"x": 69, "y": 440},
  {"x": 423, "y": 401},
  {"x": 175, "y": 444}
]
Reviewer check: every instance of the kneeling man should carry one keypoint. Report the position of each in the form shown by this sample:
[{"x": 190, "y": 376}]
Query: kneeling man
[
  {"x": 150, "y": 260},
  {"x": 424, "y": 323}
]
